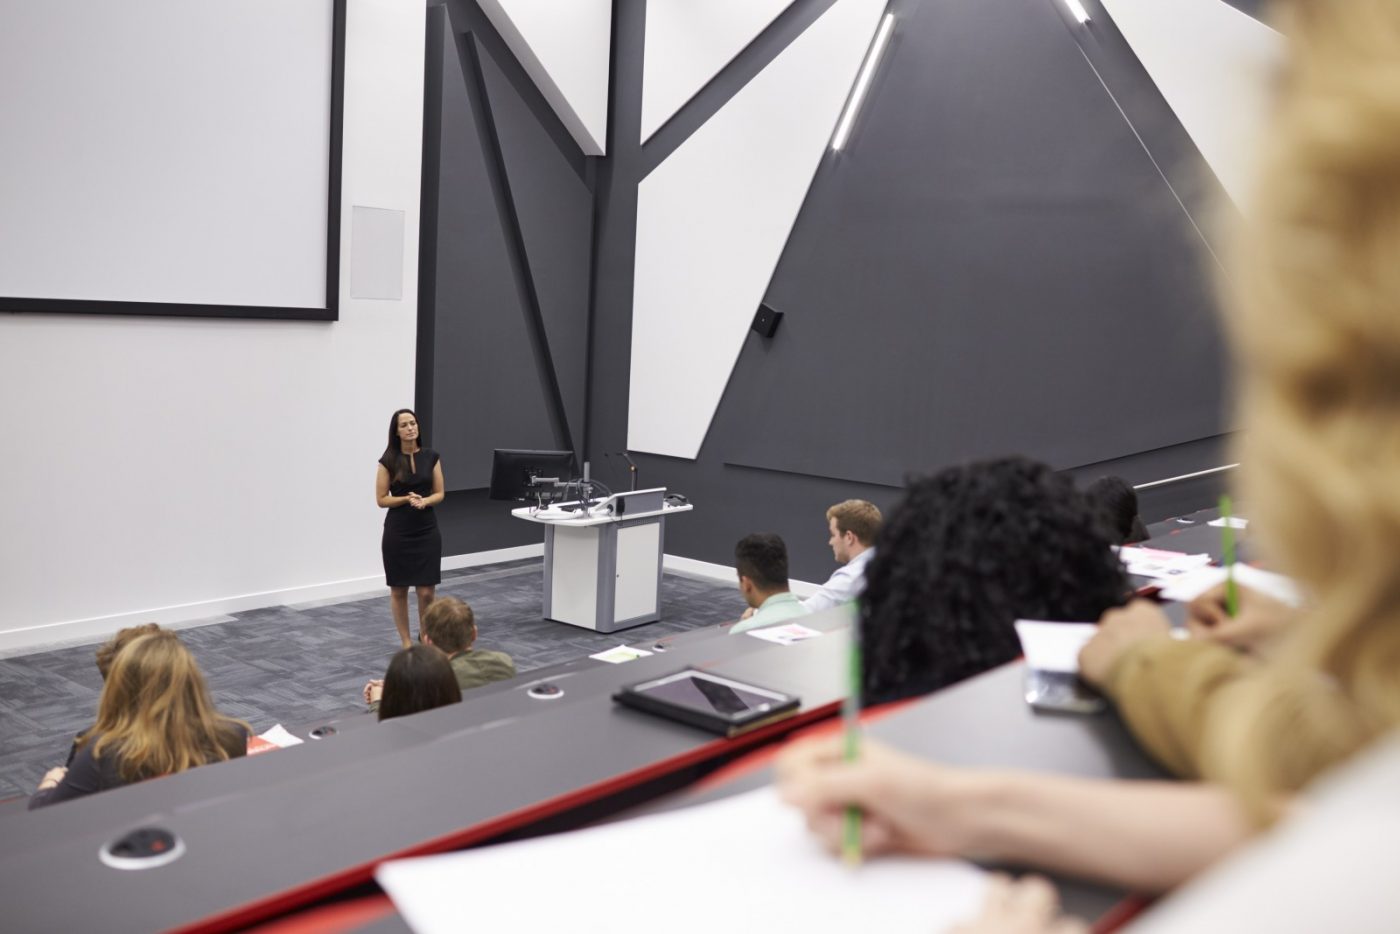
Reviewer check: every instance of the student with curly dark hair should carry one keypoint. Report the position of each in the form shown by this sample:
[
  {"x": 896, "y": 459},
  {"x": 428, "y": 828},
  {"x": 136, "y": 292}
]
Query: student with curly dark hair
[{"x": 965, "y": 554}]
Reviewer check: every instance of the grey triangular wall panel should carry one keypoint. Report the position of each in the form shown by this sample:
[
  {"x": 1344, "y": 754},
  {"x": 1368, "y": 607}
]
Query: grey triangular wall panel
[
  {"x": 480, "y": 324},
  {"x": 1254, "y": 8},
  {"x": 554, "y": 210},
  {"x": 993, "y": 265}
]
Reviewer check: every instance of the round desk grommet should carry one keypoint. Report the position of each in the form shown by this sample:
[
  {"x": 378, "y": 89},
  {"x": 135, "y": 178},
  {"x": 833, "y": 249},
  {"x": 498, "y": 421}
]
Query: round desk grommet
[
  {"x": 143, "y": 848},
  {"x": 321, "y": 732},
  {"x": 546, "y": 691}
]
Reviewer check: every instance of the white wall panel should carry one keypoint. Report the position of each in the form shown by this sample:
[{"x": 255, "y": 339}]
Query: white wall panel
[
  {"x": 688, "y": 43},
  {"x": 712, "y": 221},
  {"x": 565, "y": 45},
  {"x": 1215, "y": 67},
  {"x": 174, "y": 467}
]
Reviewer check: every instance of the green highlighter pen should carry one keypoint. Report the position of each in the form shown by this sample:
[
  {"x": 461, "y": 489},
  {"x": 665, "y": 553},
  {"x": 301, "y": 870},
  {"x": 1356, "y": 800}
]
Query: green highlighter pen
[
  {"x": 1227, "y": 543},
  {"x": 850, "y": 719}
]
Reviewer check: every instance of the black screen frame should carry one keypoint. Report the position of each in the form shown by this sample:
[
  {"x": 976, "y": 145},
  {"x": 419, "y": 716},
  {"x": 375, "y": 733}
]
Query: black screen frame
[
  {"x": 505, "y": 462},
  {"x": 331, "y": 311}
]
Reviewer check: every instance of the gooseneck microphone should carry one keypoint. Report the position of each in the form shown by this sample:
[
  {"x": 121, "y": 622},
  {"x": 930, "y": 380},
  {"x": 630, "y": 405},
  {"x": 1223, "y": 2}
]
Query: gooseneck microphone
[{"x": 631, "y": 468}]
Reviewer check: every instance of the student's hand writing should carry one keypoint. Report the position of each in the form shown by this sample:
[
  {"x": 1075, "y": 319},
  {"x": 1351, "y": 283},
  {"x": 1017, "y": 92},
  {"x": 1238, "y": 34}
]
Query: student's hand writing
[
  {"x": 1260, "y": 618},
  {"x": 908, "y": 804},
  {"x": 1119, "y": 630},
  {"x": 1026, "y": 906},
  {"x": 373, "y": 691}
]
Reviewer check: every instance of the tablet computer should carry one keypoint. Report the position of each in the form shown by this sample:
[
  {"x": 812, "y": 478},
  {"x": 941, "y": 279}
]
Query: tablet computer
[{"x": 712, "y": 702}]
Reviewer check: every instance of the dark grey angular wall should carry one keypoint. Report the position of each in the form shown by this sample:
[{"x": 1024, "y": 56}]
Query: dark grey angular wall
[
  {"x": 1259, "y": 9},
  {"x": 998, "y": 263},
  {"x": 990, "y": 265},
  {"x": 479, "y": 319},
  {"x": 504, "y": 210},
  {"x": 553, "y": 208}
]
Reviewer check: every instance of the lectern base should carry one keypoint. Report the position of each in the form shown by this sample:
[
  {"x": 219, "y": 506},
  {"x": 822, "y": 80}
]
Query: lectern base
[{"x": 602, "y": 567}]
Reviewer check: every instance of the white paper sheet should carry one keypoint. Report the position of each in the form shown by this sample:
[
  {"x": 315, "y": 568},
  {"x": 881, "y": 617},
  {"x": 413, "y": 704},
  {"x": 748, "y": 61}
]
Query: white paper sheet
[
  {"x": 1190, "y": 586},
  {"x": 279, "y": 736},
  {"x": 784, "y": 635},
  {"x": 1053, "y": 646},
  {"x": 1235, "y": 522},
  {"x": 745, "y": 863},
  {"x": 620, "y": 654},
  {"x": 1160, "y": 564}
]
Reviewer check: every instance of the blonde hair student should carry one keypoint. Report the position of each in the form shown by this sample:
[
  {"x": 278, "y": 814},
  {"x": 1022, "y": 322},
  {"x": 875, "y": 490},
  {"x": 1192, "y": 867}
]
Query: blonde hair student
[
  {"x": 1316, "y": 322},
  {"x": 155, "y": 718}
]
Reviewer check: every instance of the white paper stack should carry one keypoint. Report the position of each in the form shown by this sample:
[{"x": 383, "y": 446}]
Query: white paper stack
[
  {"x": 745, "y": 863},
  {"x": 1190, "y": 586},
  {"x": 1159, "y": 564},
  {"x": 1053, "y": 646},
  {"x": 620, "y": 654},
  {"x": 784, "y": 635}
]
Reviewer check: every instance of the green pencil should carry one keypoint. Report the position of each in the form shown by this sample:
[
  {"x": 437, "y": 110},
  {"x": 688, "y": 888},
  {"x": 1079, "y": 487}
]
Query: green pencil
[
  {"x": 850, "y": 719},
  {"x": 1227, "y": 542}
]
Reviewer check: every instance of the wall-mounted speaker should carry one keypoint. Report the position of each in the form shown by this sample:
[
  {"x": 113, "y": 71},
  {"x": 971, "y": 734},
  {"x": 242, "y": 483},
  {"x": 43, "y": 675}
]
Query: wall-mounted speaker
[{"x": 765, "y": 323}]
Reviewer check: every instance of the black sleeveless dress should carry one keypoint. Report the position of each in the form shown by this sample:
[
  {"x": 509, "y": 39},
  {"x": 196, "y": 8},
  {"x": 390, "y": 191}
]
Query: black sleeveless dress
[{"x": 412, "y": 544}]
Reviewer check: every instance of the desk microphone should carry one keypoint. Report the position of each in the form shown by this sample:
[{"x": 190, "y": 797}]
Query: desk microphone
[{"x": 631, "y": 468}]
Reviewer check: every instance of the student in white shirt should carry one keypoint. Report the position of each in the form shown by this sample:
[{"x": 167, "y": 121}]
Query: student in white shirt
[{"x": 853, "y": 526}]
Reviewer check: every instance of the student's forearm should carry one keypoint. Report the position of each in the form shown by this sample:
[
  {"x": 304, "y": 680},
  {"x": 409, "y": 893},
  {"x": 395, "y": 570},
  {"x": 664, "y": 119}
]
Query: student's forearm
[{"x": 1145, "y": 836}]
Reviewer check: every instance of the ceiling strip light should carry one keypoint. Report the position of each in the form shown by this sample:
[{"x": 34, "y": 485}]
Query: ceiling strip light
[{"x": 872, "y": 59}]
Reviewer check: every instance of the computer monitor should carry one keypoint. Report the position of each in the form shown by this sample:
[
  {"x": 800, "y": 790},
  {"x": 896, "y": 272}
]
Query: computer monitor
[{"x": 530, "y": 476}]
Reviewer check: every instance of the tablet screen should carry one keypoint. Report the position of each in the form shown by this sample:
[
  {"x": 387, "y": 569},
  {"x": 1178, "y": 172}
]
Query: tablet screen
[{"x": 709, "y": 693}]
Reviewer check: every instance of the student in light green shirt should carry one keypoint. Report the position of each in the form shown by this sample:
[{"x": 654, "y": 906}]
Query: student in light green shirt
[{"x": 761, "y": 561}]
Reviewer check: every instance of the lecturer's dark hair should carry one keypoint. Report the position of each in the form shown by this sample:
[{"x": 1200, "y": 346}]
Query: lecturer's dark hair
[
  {"x": 393, "y": 457},
  {"x": 966, "y": 553},
  {"x": 1117, "y": 504},
  {"x": 419, "y": 678}
]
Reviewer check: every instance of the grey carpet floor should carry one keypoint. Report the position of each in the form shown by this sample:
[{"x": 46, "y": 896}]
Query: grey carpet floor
[{"x": 293, "y": 664}]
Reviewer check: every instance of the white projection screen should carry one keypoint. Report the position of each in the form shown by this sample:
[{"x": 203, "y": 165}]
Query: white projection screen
[{"x": 171, "y": 157}]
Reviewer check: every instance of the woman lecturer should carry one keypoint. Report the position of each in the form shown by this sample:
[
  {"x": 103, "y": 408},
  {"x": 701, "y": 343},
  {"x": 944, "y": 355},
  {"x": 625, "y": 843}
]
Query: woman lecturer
[{"x": 409, "y": 484}]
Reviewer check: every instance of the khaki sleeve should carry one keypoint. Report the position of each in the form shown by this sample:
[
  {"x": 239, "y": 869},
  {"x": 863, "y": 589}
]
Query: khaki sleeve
[{"x": 1166, "y": 691}]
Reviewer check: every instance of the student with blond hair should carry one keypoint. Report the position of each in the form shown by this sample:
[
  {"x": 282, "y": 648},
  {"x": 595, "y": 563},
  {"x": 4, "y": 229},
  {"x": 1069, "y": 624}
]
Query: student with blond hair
[
  {"x": 449, "y": 626},
  {"x": 106, "y": 654},
  {"x": 155, "y": 718},
  {"x": 852, "y": 526},
  {"x": 1314, "y": 310}
]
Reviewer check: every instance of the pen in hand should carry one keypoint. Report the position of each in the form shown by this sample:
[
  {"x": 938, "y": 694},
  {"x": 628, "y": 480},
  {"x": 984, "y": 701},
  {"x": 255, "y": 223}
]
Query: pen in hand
[
  {"x": 1227, "y": 544},
  {"x": 850, "y": 717}
]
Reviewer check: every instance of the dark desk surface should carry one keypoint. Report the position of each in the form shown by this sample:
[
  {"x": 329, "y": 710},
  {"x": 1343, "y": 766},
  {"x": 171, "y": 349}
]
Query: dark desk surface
[
  {"x": 984, "y": 722},
  {"x": 272, "y": 831},
  {"x": 1191, "y": 534}
]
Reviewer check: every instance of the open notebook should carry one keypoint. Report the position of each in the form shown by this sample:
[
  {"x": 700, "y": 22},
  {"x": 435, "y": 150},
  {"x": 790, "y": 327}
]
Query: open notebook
[{"x": 745, "y": 863}]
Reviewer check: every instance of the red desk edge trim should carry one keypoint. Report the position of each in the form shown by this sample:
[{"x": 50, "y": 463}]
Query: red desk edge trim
[{"x": 263, "y": 908}]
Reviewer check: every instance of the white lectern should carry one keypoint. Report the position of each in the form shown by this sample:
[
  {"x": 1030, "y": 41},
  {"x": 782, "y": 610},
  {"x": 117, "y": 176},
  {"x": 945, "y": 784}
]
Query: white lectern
[{"x": 602, "y": 566}]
